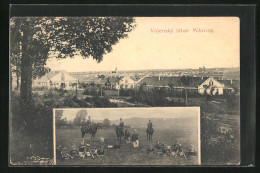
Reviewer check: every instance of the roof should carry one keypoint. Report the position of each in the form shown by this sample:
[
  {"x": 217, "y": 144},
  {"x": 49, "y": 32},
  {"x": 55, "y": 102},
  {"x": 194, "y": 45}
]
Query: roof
[
  {"x": 227, "y": 83},
  {"x": 47, "y": 76},
  {"x": 113, "y": 80},
  {"x": 176, "y": 81},
  {"x": 56, "y": 77},
  {"x": 92, "y": 79}
]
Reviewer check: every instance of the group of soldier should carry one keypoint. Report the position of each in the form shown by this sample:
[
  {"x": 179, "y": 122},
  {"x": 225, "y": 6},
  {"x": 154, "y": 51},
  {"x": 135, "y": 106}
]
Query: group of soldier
[
  {"x": 134, "y": 137},
  {"x": 85, "y": 150}
]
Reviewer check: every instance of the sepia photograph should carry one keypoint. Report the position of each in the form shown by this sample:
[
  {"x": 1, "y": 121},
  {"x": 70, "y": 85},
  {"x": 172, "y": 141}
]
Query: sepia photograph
[
  {"x": 73, "y": 78},
  {"x": 127, "y": 136}
]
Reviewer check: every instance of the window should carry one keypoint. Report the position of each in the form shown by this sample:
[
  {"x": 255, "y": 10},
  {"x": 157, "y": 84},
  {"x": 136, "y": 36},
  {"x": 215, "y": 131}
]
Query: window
[{"x": 62, "y": 85}]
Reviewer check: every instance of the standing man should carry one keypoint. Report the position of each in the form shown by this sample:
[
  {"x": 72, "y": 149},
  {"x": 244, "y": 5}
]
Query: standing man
[{"x": 135, "y": 139}]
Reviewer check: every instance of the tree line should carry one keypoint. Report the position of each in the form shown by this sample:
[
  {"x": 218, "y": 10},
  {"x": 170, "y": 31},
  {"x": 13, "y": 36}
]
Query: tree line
[{"x": 79, "y": 120}]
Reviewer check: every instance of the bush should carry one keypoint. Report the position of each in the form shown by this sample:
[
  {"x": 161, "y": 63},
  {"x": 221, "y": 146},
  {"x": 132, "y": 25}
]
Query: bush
[
  {"x": 218, "y": 147},
  {"x": 93, "y": 91},
  {"x": 153, "y": 98},
  {"x": 127, "y": 92},
  {"x": 101, "y": 102}
]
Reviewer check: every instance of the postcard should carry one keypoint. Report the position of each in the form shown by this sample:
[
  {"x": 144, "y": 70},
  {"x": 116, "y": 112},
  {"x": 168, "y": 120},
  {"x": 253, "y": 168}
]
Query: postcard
[{"x": 124, "y": 91}]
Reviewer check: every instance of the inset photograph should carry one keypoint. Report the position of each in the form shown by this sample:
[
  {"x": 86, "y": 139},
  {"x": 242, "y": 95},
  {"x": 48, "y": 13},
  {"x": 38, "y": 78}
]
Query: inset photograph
[{"x": 127, "y": 136}]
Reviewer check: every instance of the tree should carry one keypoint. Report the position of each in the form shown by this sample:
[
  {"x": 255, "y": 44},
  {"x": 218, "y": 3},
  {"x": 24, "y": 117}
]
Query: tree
[
  {"x": 80, "y": 118},
  {"x": 101, "y": 76},
  {"x": 185, "y": 80},
  {"x": 59, "y": 121},
  {"x": 118, "y": 84},
  {"x": 39, "y": 38},
  {"x": 38, "y": 63},
  {"x": 15, "y": 64},
  {"x": 108, "y": 83},
  {"x": 143, "y": 86},
  {"x": 170, "y": 84}
]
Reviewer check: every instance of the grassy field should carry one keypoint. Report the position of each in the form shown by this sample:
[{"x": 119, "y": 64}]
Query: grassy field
[
  {"x": 23, "y": 146},
  {"x": 220, "y": 139},
  {"x": 127, "y": 155}
]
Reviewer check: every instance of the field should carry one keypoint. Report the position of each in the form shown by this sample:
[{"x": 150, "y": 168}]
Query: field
[{"x": 127, "y": 155}]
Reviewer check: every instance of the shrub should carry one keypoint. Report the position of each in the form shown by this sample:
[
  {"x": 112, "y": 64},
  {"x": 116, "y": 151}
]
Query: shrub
[
  {"x": 153, "y": 98},
  {"x": 101, "y": 102},
  {"x": 218, "y": 147}
]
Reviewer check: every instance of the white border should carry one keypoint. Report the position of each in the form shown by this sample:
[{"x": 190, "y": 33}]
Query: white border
[
  {"x": 54, "y": 131},
  {"x": 54, "y": 138}
]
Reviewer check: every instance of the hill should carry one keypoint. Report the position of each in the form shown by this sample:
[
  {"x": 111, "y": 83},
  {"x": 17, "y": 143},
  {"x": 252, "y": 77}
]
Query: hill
[{"x": 161, "y": 123}]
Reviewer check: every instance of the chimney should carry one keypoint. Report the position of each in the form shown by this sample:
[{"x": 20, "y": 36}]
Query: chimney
[
  {"x": 201, "y": 77},
  {"x": 159, "y": 77},
  {"x": 230, "y": 81}
]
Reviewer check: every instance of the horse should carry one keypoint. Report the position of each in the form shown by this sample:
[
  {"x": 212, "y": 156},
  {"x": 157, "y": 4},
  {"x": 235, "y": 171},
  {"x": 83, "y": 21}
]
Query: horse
[
  {"x": 92, "y": 129},
  {"x": 149, "y": 132},
  {"x": 119, "y": 132}
]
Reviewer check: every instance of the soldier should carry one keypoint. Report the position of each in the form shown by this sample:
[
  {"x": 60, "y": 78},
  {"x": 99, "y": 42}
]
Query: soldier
[
  {"x": 135, "y": 139},
  {"x": 121, "y": 123},
  {"x": 121, "y": 126},
  {"x": 159, "y": 145},
  {"x": 149, "y": 124},
  {"x": 82, "y": 149},
  {"x": 88, "y": 121}
]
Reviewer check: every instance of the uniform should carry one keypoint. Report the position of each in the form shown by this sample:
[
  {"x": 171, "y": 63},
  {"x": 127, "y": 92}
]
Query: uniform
[
  {"x": 88, "y": 122},
  {"x": 149, "y": 125},
  {"x": 121, "y": 126},
  {"x": 135, "y": 140}
]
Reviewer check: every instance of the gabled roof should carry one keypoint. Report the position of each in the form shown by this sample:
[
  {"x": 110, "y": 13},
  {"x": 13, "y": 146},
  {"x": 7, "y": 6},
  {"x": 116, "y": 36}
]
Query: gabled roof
[
  {"x": 165, "y": 81},
  {"x": 47, "y": 76},
  {"x": 57, "y": 77},
  {"x": 112, "y": 79}
]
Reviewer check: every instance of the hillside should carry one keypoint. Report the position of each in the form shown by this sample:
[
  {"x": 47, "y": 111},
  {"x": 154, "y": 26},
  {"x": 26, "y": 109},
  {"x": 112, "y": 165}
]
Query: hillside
[{"x": 161, "y": 123}]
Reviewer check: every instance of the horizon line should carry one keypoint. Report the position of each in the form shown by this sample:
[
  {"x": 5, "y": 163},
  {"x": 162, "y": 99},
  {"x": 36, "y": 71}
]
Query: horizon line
[{"x": 151, "y": 69}]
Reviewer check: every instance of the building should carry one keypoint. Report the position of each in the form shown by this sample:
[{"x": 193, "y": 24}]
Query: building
[
  {"x": 117, "y": 82},
  {"x": 231, "y": 85},
  {"x": 126, "y": 82},
  {"x": 200, "y": 85},
  {"x": 60, "y": 80}
]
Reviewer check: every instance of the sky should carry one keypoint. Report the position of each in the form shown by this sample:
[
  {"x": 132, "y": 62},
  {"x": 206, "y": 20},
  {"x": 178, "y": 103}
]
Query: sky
[
  {"x": 124, "y": 113},
  {"x": 156, "y": 44}
]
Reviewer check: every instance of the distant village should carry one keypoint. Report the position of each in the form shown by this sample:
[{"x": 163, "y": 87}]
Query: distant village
[{"x": 204, "y": 81}]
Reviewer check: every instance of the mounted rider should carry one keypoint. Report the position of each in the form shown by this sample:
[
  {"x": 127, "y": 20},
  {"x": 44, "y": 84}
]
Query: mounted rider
[
  {"x": 88, "y": 121},
  {"x": 121, "y": 125},
  {"x": 150, "y": 124}
]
